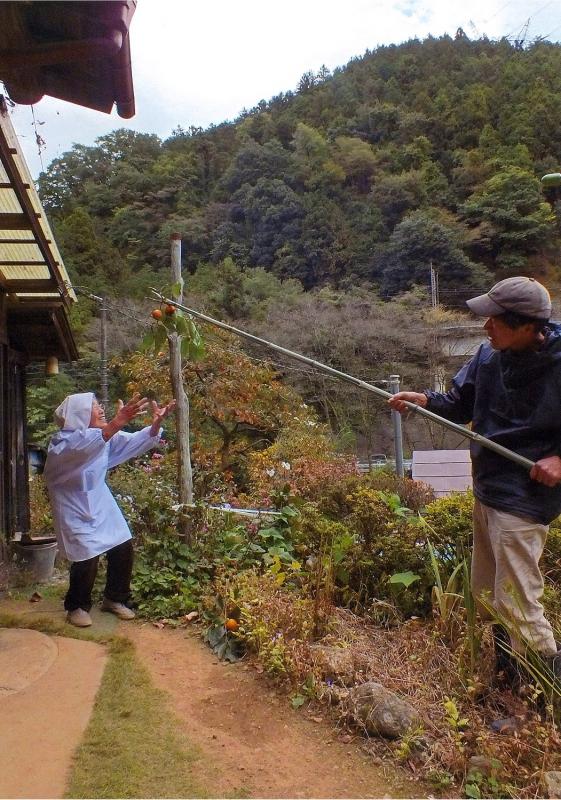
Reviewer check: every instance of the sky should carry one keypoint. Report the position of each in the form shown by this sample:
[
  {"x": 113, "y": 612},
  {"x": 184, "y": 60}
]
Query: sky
[{"x": 200, "y": 63}]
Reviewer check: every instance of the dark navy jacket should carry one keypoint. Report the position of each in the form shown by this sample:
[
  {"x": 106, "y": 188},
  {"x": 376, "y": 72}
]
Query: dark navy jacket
[{"x": 513, "y": 399}]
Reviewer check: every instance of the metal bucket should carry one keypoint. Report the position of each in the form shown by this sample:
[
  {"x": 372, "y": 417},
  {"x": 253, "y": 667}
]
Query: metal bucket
[{"x": 38, "y": 558}]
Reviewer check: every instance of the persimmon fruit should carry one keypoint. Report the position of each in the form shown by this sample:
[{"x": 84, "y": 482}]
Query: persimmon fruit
[
  {"x": 232, "y": 624},
  {"x": 157, "y": 313}
]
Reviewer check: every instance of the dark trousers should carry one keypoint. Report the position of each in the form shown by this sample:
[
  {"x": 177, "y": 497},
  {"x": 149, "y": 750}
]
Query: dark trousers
[{"x": 117, "y": 586}]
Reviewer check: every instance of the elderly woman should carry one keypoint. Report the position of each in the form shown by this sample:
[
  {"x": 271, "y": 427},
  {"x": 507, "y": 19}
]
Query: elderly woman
[{"x": 87, "y": 520}]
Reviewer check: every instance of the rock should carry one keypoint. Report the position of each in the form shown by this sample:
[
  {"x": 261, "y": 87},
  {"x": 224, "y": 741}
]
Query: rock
[
  {"x": 379, "y": 711},
  {"x": 552, "y": 783},
  {"x": 335, "y": 695},
  {"x": 335, "y": 663},
  {"x": 339, "y": 664}
]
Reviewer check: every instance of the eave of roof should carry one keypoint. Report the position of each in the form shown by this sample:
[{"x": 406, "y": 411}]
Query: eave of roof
[
  {"x": 32, "y": 273},
  {"x": 75, "y": 51}
]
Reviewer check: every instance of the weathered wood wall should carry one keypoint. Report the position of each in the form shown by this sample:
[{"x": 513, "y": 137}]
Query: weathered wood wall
[{"x": 14, "y": 485}]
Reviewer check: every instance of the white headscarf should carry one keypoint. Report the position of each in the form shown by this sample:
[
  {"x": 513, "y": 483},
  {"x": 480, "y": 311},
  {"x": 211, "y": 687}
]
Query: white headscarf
[{"x": 75, "y": 411}]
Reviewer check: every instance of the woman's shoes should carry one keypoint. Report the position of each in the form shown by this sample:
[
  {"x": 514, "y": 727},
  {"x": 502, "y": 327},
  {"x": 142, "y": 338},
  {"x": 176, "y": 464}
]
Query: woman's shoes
[
  {"x": 79, "y": 618},
  {"x": 119, "y": 609}
]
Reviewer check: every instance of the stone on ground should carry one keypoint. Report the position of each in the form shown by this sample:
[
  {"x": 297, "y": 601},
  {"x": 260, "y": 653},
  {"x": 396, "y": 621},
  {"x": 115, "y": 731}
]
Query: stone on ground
[{"x": 379, "y": 711}]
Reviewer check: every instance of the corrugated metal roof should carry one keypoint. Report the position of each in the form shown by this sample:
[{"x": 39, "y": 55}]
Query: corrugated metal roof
[
  {"x": 30, "y": 262},
  {"x": 33, "y": 278}
]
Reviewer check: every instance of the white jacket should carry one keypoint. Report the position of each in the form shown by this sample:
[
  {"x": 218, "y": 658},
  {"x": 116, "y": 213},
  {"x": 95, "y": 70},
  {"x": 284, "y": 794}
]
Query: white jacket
[{"x": 86, "y": 518}]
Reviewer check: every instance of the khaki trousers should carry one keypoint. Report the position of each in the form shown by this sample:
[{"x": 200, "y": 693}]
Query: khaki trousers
[{"x": 506, "y": 577}]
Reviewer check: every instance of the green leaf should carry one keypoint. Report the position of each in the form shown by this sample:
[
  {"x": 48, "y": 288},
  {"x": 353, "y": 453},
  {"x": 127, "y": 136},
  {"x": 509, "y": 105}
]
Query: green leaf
[
  {"x": 297, "y": 701},
  {"x": 192, "y": 350},
  {"x": 160, "y": 337},
  {"x": 472, "y": 790},
  {"x": 175, "y": 289},
  {"x": 181, "y": 325},
  {"x": 404, "y": 578},
  {"x": 147, "y": 342}
]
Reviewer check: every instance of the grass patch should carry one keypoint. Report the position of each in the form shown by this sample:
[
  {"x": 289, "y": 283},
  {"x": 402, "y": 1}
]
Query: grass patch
[
  {"x": 133, "y": 746},
  {"x": 45, "y": 623}
]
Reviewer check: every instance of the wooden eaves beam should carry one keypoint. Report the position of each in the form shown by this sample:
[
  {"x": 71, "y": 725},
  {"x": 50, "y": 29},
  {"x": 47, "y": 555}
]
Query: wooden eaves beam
[
  {"x": 64, "y": 334},
  {"x": 17, "y": 241},
  {"x": 29, "y": 285},
  {"x": 15, "y": 222}
]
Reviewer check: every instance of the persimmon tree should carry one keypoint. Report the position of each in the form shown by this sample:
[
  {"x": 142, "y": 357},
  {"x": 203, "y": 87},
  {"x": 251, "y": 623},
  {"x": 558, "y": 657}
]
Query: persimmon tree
[{"x": 238, "y": 403}]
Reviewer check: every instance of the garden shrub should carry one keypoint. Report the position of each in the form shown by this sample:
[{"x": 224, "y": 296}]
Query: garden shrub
[
  {"x": 275, "y": 617},
  {"x": 41, "y": 519},
  {"x": 344, "y": 548},
  {"x": 387, "y": 543},
  {"x": 371, "y": 538},
  {"x": 414, "y": 495},
  {"x": 301, "y": 459},
  {"x": 169, "y": 575},
  {"x": 334, "y": 498},
  {"x": 449, "y": 522},
  {"x": 551, "y": 559}
]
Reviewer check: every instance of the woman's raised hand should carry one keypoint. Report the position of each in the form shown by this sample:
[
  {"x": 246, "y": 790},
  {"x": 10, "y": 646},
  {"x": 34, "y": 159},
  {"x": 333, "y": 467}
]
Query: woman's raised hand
[
  {"x": 127, "y": 411},
  {"x": 159, "y": 413}
]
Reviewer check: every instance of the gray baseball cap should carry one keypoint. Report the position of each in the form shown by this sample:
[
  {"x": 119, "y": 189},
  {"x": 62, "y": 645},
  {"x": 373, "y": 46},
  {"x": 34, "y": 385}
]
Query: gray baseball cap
[{"x": 522, "y": 295}]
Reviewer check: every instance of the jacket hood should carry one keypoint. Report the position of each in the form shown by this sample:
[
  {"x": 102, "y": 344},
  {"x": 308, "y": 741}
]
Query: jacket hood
[{"x": 74, "y": 413}]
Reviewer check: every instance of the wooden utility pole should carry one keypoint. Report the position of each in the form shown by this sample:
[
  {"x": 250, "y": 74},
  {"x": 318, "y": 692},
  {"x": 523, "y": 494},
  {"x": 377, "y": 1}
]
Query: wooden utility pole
[{"x": 184, "y": 470}]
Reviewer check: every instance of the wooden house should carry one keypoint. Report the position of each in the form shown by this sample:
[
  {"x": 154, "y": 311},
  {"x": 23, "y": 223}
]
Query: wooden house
[
  {"x": 74, "y": 51},
  {"x": 35, "y": 296}
]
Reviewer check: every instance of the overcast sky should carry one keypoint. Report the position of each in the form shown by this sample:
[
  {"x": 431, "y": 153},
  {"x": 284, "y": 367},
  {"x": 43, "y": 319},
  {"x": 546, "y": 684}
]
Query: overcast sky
[{"x": 197, "y": 63}]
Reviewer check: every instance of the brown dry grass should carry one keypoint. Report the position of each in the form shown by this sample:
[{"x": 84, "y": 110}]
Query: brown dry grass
[{"x": 415, "y": 662}]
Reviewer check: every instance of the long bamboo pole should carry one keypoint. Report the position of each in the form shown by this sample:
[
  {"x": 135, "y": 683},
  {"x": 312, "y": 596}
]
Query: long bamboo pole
[{"x": 461, "y": 429}]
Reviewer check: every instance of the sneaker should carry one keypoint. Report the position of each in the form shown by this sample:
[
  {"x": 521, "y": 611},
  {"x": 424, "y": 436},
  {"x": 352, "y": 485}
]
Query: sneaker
[
  {"x": 508, "y": 671},
  {"x": 79, "y": 618},
  {"x": 119, "y": 609}
]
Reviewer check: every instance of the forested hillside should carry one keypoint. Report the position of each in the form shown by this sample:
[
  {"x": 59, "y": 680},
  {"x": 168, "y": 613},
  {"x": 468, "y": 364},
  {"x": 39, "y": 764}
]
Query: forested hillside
[{"x": 424, "y": 152}]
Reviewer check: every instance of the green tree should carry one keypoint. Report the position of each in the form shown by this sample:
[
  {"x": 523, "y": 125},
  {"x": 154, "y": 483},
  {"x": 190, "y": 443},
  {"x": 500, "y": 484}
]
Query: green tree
[
  {"x": 420, "y": 240},
  {"x": 88, "y": 255},
  {"x": 509, "y": 219},
  {"x": 357, "y": 160}
]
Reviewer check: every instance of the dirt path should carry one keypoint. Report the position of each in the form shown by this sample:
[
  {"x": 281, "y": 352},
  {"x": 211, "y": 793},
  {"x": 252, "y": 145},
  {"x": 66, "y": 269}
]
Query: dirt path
[
  {"x": 258, "y": 745},
  {"x": 48, "y": 691}
]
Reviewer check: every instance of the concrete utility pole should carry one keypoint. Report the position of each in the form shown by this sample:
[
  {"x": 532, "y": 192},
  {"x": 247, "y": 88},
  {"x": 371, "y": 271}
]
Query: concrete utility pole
[
  {"x": 103, "y": 353},
  {"x": 184, "y": 470},
  {"x": 397, "y": 430},
  {"x": 434, "y": 297},
  {"x": 436, "y": 376}
]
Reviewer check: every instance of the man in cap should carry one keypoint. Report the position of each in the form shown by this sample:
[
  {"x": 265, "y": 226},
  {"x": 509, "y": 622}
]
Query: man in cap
[
  {"x": 87, "y": 520},
  {"x": 511, "y": 393}
]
